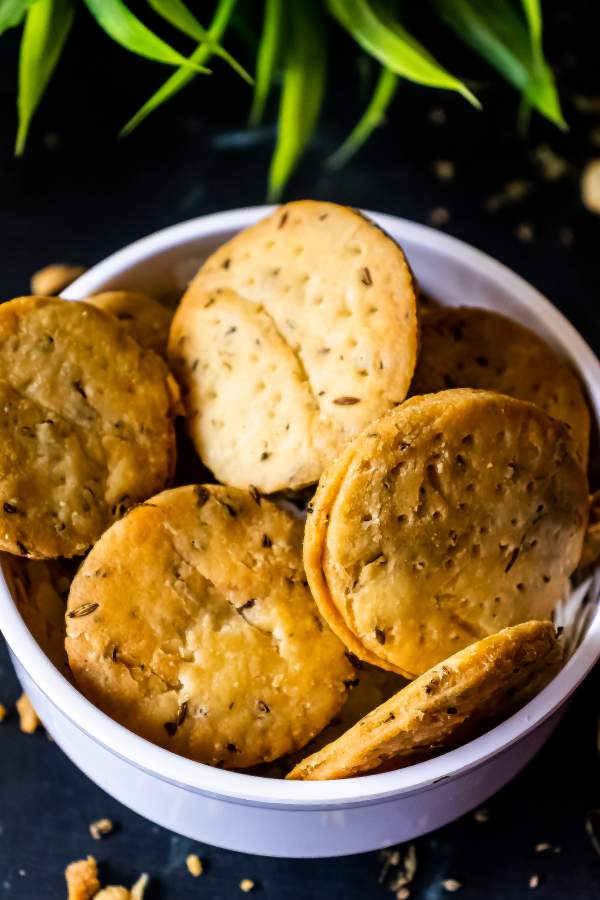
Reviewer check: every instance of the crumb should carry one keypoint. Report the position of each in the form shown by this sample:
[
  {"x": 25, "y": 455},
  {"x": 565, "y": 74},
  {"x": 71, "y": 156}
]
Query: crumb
[
  {"x": 113, "y": 892},
  {"x": 100, "y": 828},
  {"x": 516, "y": 189},
  {"x": 481, "y": 815},
  {"x": 53, "y": 279},
  {"x": 551, "y": 166},
  {"x": 542, "y": 847},
  {"x": 82, "y": 879},
  {"x": 438, "y": 116},
  {"x": 524, "y": 232},
  {"x": 139, "y": 888},
  {"x": 28, "y": 718},
  {"x": 444, "y": 169},
  {"x": 590, "y": 186},
  {"x": 534, "y": 882},
  {"x": 403, "y": 894},
  {"x": 451, "y": 885},
  {"x": 194, "y": 865},
  {"x": 246, "y": 885},
  {"x": 439, "y": 216},
  {"x": 3, "y": 712}
]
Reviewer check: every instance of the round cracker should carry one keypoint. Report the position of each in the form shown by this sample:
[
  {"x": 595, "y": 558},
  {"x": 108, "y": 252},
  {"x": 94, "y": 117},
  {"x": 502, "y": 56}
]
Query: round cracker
[
  {"x": 87, "y": 428},
  {"x": 191, "y": 623},
  {"x": 145, "y": 319},
  {"x": 456, "y": 515},
  {"x": 319, "y": 338},
  {"x": 446, "y": 705},
  {"x": 475, "y": 348}
]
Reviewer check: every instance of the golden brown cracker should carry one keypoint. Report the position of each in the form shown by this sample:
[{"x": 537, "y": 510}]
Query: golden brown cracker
[
  {"x": 456, "y": 515},
  {"x": 446, "y": 705},
  {"x": 191, "y": 623},
  {"x": 327, "y": 344},
  {"x": 87, "y": 428}
]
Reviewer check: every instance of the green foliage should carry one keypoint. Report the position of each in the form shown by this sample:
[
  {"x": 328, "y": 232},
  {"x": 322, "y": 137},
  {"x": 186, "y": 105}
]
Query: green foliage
[
  {"x": 304, "y": 74},
  {"x": 47, "y": 24},
  {"x": 494, "y": 29},
  {"x": 289, "y": 43}
]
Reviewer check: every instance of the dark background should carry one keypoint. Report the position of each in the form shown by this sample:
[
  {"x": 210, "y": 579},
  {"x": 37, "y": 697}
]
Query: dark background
[{"x": 79, "y": 194}]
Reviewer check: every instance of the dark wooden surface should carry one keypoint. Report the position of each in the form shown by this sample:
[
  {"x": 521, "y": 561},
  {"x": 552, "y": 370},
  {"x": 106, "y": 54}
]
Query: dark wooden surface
[{"x": 80, "y": 194}]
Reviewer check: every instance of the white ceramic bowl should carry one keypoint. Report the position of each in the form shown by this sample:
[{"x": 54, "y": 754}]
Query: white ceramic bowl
[{"x": 289, "y": 818}]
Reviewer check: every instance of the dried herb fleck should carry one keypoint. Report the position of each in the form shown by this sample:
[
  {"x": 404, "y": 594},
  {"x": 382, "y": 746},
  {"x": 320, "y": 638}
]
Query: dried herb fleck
[
  {"x": 263, "y": 706},
  {"x": 10, "y": 508},
  {"x": 266, "y": 541},
  {"x": 80, "y": 389},
  {"x": 84, "y": 610},
  {"x": 380, "y": 636},
  {"x": 254, "y": 493}
]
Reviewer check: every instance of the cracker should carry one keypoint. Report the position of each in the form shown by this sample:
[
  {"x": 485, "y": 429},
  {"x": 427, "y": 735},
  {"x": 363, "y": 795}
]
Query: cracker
[
  {"x": 87, "y": 428},
  {"x": 456, "y": 515},
  {"x": 191, "y": 623},
  {"x": 145, "y": 319},
  {"x": 334, "y": 300},
  {"x": 40, "y": 589},
  {"x": 475, "y": 348},
  {"x": 448, "y": 704}
]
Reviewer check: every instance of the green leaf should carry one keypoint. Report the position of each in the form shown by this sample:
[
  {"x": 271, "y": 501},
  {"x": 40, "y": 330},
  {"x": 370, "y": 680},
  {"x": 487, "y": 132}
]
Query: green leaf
[
  {"x": 495, "y": 30},
  {"x": 182, "y": 77},
  {"x": 373, "y": 116},
  {"x": 533, "y": 11},
  {"x": 177, "y": 14},
  {"x": 266, "y": 62},
  {"x": 12, "y": 13},
  {"x": 127, "y": 30},
  {"x": 47, "y": 26},
  {"x": 393, "y": 46},
  {"x": 304, "y": 75}
]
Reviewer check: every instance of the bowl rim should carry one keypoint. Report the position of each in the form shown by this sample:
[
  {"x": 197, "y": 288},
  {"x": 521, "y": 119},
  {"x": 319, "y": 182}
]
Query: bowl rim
[{"x": 278, "y": 793}]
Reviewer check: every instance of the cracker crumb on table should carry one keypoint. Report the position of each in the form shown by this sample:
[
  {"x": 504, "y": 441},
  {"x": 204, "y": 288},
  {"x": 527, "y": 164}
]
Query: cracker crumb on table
[
  {"x": 82, "y": 879},
  {"x": 100, "y": 828},
  {"x": 28, "y": 718},
  {"x": 139, "y": 888},
  {"x": 451, "y": 885},
  {"x": 246, "y": 885},
  {"x": 194, "y": 865},
  {"x": 3, "y": 712}
]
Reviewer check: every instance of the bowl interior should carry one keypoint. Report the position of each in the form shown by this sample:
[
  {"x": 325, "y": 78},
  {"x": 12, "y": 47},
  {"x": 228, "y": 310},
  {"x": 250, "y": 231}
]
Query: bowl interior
[{"x": 453, "y": 273}]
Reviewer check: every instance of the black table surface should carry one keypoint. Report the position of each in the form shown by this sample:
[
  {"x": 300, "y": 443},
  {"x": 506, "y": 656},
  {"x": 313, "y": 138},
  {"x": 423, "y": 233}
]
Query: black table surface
[{"x": 79, "y": 194}]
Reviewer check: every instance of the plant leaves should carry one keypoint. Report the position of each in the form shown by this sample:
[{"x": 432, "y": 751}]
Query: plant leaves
[
  {"x": 127, "y": 30},
  {"x": 393, "y": 46},
  {"x": 182, "y": 77},
  {"x": 373, "y": 116},
  {"x": 177, "y": 14},
  {"x": 267, "y": 55},
  {"x": 47, "y": 26},
  {"x": 304, "y": 75},
  {"x": 12, "y": 13},
  {"x": 533, "y": 12},
  {"x": 494, "y": 29}
]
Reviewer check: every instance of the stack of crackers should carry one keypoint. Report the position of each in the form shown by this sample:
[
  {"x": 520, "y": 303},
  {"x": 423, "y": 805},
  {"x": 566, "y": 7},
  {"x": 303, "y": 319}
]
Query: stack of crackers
[{"x": 404, "y": 608}]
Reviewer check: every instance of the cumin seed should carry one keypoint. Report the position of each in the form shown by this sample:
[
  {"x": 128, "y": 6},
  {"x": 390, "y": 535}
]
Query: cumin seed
[
  {"x": 365, "y": 277},
  {"x": 283, "y": 220},
  {"x": 254, "y": 493},
  {"x": 346, "y": 401},
  {"x": 84, "y": 610}
]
